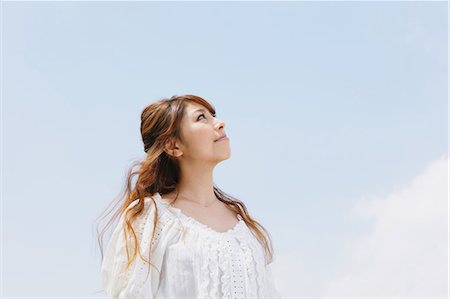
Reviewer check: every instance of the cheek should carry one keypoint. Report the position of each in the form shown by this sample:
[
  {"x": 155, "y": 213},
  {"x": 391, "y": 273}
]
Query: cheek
[{"x": 201, "y": 139}]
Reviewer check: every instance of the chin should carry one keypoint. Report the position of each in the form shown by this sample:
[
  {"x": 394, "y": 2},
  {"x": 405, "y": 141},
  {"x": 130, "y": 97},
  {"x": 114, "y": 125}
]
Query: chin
[{"x": 224, "y": 157}]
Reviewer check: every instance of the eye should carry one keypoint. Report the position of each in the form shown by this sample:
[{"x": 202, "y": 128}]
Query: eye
[{"x": 213, "y": 115}]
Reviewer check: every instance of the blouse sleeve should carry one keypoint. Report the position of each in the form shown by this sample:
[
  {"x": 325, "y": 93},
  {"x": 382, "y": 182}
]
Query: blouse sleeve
[
  {"x": 134, "y": 283},
  {"x": 272, "y": 289}
]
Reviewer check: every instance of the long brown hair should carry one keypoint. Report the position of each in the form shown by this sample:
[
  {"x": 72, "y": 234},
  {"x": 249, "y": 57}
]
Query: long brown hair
[{"x": 159, "y": 172}]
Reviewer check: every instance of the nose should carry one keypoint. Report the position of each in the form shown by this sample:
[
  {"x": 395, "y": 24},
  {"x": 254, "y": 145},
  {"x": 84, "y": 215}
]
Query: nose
[{"x": 221, "y": 124}]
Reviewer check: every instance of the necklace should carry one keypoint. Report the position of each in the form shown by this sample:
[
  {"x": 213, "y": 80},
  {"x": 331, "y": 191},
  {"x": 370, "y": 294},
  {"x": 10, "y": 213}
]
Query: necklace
[{"x": 205, "y": 206}]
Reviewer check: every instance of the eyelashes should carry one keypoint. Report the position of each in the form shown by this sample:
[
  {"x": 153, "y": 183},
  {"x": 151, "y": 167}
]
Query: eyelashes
[{"x": 198, "y": 118}]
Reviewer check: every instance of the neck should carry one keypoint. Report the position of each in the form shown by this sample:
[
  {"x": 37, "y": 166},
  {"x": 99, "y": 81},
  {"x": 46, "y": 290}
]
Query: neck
[{"x": 196, "y": 184}]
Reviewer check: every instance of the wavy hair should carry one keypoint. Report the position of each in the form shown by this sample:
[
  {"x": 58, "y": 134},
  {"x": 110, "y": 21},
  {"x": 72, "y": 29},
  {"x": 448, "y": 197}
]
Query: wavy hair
[{"x": 160, "y": 172}]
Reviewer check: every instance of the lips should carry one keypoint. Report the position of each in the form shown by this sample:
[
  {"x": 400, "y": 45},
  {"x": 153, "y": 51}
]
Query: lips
[{"x": 221, "y": 137}]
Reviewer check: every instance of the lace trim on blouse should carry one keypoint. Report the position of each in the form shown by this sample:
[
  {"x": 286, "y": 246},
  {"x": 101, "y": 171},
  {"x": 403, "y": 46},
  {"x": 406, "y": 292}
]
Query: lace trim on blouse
[{"x": 193, "y": 222}]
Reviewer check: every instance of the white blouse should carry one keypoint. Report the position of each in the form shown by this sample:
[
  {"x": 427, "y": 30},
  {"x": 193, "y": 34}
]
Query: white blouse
[{"x": 194, "y": 261}]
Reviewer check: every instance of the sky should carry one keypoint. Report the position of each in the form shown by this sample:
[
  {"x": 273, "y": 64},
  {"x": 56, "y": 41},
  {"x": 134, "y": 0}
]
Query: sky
[{"x": 337, "y": 114}]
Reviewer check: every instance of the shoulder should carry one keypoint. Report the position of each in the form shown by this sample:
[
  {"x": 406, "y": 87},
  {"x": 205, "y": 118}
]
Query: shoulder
[
  {"x": 153, "y": 205},
  {"x": 168, "y": 227}
]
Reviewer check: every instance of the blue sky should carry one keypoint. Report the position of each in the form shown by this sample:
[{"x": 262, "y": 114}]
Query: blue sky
[{"x": 337, "y": 114}]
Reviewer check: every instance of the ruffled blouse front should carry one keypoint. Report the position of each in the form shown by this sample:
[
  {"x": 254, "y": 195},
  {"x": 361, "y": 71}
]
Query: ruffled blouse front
[{"x": 192, "y": 259}]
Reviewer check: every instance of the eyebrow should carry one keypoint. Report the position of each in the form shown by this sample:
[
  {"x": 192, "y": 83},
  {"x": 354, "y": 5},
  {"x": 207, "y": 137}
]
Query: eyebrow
[{"x": 199, "y": 110}]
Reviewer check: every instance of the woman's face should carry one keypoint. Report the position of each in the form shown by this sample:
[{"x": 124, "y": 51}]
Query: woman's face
[{"x": 200, "y": 130}]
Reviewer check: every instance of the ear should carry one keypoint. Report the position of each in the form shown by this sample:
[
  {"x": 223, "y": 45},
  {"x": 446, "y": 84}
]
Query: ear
[{"x": 172, "y": 148}]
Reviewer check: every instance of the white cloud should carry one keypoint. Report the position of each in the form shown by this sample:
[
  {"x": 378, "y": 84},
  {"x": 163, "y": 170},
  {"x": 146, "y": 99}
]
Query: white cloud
[{"x": 406, "y": 254}]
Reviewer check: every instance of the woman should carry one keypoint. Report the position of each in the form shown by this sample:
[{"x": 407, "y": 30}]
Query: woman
[{"x": 193, "y": 240}]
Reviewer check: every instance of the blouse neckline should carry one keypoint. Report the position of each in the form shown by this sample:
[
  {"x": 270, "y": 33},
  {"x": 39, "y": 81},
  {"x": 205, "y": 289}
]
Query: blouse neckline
[{"x": 199, "y": 224}]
